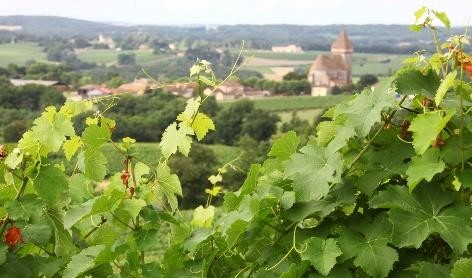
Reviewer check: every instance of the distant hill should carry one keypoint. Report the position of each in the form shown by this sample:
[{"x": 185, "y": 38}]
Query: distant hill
[
  {"x": 53, "y": 25},
  {"x": 366, "y": 38}
]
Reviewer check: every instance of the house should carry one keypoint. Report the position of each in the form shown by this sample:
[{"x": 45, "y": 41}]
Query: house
[
  {"x": 60, "y": 86},
  {"x": 91, "y": 91},
  {"x": 138, "y": 86},
  {"x": 231, "y": 90},
  {"x": 186, "y": 90},
  {"x": 102, "y": 39},
  {"x": 287, "y": 49},
  {"x": 333, "y": 69}
]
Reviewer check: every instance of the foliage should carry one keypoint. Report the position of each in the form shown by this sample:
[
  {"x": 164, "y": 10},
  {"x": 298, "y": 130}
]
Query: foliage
[{"x": 356, "y": 200}]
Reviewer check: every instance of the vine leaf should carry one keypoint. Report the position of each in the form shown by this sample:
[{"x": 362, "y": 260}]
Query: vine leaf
[
  {"x": 50, "y": 184},
  {"x": 424, "y": 167},
  {"x": 71, "y": 146},
  {"x": 428, "y": 210},
  {"x": 321, "y": 253},
  {"x": 52, "y": 128},
  {"x": 369, "y": 247},
  {"x": 446, "y": 84},
  {"x": 175, "y": 139},
  {"x": 365, "y": 109},
  {"x": 168, "y": 185},
  {"x": 411, "y": 81},
  {"x": 201, "y": 125},
  {"x": 83, "y": 261},
  {"x": 203, "y": 217},
  {"x": 462, "y": 268},
  {"x": 285, "y": 146},
  {"x": 92, "y": 162},
  {"x": 313, "y": 170},
  {"x": 94, "y": 136},
  {"x": 426, "y": 127}
]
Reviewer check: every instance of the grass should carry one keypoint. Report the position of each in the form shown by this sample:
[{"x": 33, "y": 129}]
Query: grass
[
  {"x": 362, "y": 63},
  {"x": 307, "y": 114},
  {"x": 295, "y": 102},
  {"x": 110, "y": 56},
  {"x": 20, "y": 53}
]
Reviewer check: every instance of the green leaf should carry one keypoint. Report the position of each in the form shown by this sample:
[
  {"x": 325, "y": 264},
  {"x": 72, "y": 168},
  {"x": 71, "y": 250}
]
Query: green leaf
[
  {"x": 63, "y": 241},
  {"x": 79, "y": 189},
  {"x": 250, "y": 182},
  {"x": 203, "y": 217},
  {"x": 133, "y": 206},
  {"x": 50, "y": 184},
  {"x": 325, "y": 131},
  {"x": 442, "y": 16},
  {"x": 462, "y": 268},
  {"x": 365, "y": 109},
  {"x": 285, "y": 146},
  {"x": 446, "y": 84},
  {"x": 426, "y": 128},
  {"x": 92, "y": 162},
  {"x": 411, "y": 81},
  {"x": 369, "y": 247},
  {"x": 175, "y": 139},
  {"x": 424, "y": 167},
  {"x": 198, "y": 236},
  {"x": 14, "y": 158},
  {"x": 201, "y": 125},
  {"x": 419, "y": 13},
  {"x": 193, "y": 104},
  {"x": 428, "y": 210},
  {"x": 3, "y": 254},
  {"x": 22, "y": 210},
  {"x": 288, "y": 199},
  {"x": 147, "y": 239},
  {"x": 71, "y": 146},
  {"x": 82, "y": 262},
  {"x": 76, "y": 213},
  {"x": 168, "y": 185},
  {"x": 37, "y": 233},
  {"x": 29, "y": 145},
  {"x": 313, "y": 171},
  {"x": 321, "y": 253},
  {"x": 94, "y": 136},
  {"x": 52, "y": 128}
]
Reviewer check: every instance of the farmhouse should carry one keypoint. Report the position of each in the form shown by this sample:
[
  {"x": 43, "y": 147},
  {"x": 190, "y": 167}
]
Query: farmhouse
[
  {"x": 232, "y": 89},
  {"x": 287, "y": 49},
  {"x": 333, "y": 69},
  {"x": 91, "y": 91},
  {"x": 138, "y": 87}
]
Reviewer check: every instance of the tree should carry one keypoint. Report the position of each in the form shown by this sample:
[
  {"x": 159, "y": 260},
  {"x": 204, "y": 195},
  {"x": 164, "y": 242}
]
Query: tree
[
  {"x": 126, "y": 59},
  {"x": 230, "y": 120},
  {"x": 367, "y": 80},
  {"x": 260, "y": 124},
  {"x": 14, "y": 130},
  {"x": 294, "y": 76}
]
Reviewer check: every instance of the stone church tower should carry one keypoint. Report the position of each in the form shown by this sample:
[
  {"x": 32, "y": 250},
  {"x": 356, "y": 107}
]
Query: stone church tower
[
  {"x": 342, "y": 46},
  {"x": 333, "y": 69}
]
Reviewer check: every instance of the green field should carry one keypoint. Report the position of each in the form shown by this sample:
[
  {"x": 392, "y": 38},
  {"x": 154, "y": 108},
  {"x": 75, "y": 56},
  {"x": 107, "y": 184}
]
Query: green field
[
  {"x": 306, "y": 114},
  {"x": 295, "y": 102},
  {"x": 20, "y": 53},
  {"x": 110, "y": 56},
  {"x": 363, "y": 63}
]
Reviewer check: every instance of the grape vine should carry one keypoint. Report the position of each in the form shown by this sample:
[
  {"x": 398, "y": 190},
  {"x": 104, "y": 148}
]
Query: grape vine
[{"x": 382, "y": 188}]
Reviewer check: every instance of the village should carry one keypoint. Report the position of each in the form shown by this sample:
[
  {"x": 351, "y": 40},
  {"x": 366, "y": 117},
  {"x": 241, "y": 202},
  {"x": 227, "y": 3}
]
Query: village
[{"x": 328, "y": 71}]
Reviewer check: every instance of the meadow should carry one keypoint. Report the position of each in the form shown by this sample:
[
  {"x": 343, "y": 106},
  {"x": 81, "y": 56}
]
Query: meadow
[
  {"x": 110, "y": 56},
  {"x": 269, "y": 63},
  {"x": 20, "y": 53},
  {"x": 284, "y": 103}
]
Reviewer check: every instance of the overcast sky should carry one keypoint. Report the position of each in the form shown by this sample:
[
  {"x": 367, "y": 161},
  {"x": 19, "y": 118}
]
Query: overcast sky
[{"x": 172, "y": 12}]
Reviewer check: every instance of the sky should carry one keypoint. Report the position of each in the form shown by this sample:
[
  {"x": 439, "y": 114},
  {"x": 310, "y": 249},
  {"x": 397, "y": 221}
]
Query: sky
[{"x": 181, "y": 12}]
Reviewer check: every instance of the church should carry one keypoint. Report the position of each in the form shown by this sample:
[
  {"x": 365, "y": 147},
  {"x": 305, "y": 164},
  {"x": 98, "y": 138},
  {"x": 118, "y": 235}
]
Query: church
[{"x": 334, "y": 69}]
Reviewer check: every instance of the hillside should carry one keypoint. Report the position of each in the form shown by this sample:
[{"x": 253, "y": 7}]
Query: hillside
[{"x": 367, "y": 38}]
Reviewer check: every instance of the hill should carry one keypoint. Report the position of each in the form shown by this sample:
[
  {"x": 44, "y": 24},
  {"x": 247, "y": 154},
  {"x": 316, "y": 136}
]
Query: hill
[{"x": 367, "y": 38}]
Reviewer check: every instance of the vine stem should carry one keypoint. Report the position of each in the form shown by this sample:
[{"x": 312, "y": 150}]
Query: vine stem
[
  {"x": 369, "y": 143},
  {"x": 461, "y": 137}
]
